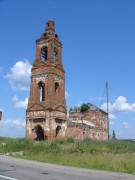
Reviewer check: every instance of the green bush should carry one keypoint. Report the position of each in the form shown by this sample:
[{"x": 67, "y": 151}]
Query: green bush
[{"x": 84, "y": 107}]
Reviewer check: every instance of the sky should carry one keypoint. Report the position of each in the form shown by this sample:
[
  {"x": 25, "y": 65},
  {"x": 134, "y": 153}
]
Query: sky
[{"x": 98, "y": 38}]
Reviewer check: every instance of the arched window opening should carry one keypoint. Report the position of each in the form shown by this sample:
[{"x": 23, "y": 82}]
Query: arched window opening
[
  {"x": 56, "y": 35},
  {"x": 39, "y": 133},
  {"x": 44, "y": 53},
  {"x": 58, "y": 130},
  {"x": 55, "y": 54},
  {"x": 56, "y": 86},
  {"x": 42, "y": 90}
]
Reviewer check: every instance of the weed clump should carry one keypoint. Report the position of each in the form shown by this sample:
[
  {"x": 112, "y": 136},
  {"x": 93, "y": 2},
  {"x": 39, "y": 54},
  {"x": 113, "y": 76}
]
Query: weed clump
[{"x": 70, "y": 140}]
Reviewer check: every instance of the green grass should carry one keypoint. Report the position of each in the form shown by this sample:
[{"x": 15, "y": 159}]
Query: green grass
[{"x": 118, "y": 156}]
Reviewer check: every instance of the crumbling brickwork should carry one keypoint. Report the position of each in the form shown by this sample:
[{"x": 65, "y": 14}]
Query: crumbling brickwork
[
  {"x": 46, "y": 113},
  {"x": 89, "y": 124}
]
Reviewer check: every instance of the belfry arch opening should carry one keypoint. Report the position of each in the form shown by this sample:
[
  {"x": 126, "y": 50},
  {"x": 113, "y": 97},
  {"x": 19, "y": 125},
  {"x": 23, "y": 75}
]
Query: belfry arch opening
[
  {"x": 42, "y": 90},
  {"x": 56, "y": 86},
  {"x": 44, "y": 52},
  {"x": 39, "y": 133},
  {"x": 55, "y": 53}
]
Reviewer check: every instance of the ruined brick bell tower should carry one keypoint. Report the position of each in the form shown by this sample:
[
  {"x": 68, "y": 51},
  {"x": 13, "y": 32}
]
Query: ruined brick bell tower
[{"x": 46, "y": 112}]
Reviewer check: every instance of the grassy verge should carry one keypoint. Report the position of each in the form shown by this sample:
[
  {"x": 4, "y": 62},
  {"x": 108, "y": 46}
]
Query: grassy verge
[{"x": 118, "y": 156}]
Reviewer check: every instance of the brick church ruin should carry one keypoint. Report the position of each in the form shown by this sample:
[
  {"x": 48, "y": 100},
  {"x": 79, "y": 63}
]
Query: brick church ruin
[
  {"x": 46, "y": 114},
  {"x": 89, "y": 124}
]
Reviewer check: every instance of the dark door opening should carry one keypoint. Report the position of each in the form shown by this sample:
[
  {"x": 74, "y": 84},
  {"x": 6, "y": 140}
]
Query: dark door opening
[
  {"x": 39, "y": 132},
  {"x": 58, "y": 129}
]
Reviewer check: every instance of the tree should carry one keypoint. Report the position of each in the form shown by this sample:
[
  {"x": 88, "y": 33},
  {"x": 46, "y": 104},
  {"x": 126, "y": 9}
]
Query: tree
[
  {"x": 33, "y": 63},
  {"x": 71, "y": 109},
  {"x": 84, "y": 107},
  {"x": 113, "y": 135}
]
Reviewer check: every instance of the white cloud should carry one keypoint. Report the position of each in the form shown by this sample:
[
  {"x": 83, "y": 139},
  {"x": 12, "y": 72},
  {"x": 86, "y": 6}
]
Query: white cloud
[
  {"x": 104, "y": 106},
  {"x": 120, "y": 104},
  {"x": 111, "y": 123},
  {"x": 12, "y": 123},
  {"x": 20, "y": 104},
  {"x": 66, "y": 94},
  {"x": 112, "y": 116},
  {"x": 15, "y": 98},
  {"x": 19, "y": 77},
  {"x": 126, "y": 125}
]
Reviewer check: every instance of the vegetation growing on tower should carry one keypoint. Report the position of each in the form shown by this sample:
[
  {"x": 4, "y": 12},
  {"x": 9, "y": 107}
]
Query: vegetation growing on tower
[{"x": 84, "y": 107}]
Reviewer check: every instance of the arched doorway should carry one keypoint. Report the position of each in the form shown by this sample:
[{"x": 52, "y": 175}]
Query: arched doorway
[
  {"x": 39, "y": 133},
  {"x": 58, "y": 131}
]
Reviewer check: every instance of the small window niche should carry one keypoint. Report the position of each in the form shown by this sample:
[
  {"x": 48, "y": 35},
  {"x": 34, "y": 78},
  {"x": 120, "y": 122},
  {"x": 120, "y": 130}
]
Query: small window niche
[
  {"x": 56, "y": 86},
  {"x": 44, "y": 52},
  {"x": 42, "y": 90}
]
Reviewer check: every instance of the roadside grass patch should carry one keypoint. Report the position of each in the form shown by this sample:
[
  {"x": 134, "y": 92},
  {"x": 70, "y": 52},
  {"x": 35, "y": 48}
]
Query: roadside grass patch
[{"x": 118, "y": 156}]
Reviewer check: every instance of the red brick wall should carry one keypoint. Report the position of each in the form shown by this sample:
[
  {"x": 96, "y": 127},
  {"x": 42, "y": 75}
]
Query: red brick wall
[{"x": 97, "y": 117}]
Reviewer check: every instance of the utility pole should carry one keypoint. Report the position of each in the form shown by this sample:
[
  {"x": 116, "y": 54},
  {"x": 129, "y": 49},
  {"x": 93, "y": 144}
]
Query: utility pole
[
  {"x": 0, "y": 115},
  {"x": 107, "y": 108}
]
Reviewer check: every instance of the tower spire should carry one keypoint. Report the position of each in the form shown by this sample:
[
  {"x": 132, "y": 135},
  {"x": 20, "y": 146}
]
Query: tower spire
[
  {"x": 49, "y": 48},
  {"x": 50, "y": 27}
]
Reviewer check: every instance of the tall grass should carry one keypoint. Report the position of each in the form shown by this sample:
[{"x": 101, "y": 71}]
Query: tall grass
[
  {"x": 106, "y": 155},
  {"x": 113, "y": 146}
]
